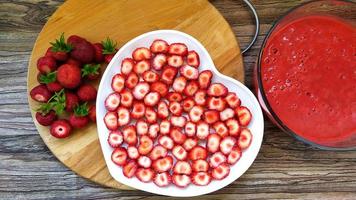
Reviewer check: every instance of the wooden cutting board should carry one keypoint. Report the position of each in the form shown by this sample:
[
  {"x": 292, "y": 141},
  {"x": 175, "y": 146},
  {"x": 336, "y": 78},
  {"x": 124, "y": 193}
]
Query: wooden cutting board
[{"x": 123, "y": 20}]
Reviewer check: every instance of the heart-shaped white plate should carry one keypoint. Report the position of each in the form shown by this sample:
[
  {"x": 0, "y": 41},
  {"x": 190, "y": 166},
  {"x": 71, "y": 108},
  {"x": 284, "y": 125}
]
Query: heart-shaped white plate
[{"x": 248, "y": 99}]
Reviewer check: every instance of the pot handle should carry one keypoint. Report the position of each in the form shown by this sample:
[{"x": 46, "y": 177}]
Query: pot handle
[{"x": 257, "y": 21}]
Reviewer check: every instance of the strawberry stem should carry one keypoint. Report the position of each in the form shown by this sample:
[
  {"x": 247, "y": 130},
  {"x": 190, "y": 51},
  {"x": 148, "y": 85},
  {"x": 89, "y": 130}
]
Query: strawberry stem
[
  {"x": 90, "y": 69},
  {"x": 81, "y": 110},
  {"x": 109, "y": 46},
  {"x": 48, "y": 78},
  {"x": 60, "y": 45}
]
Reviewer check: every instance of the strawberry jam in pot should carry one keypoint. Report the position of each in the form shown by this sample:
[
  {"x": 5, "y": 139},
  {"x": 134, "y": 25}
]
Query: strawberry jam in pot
[{"x": 307, "y": 74}]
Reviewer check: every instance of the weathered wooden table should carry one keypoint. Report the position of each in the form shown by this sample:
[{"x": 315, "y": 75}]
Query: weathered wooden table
[{"x": 284, "y": 168}]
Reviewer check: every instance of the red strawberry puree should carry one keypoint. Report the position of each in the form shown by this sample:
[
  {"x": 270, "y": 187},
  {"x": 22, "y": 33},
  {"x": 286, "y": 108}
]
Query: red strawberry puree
[{"x": 308, "y": 74}]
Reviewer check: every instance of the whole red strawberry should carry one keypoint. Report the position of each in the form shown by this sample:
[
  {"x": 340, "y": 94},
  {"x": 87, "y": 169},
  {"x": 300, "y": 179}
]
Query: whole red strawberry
[
  {"x": 79, "y": 118},
  {"x": 99, "y": 57},
  {"x": 46, "y": 64},
  {"x": 46, "y": 119},
  {"x": 83, "y": 51},
  {"x": 72, "y": 100},
  {"x": 91, "y": 71},
  {"x": 60, "y": 128},
  {"x": 86, "y": 92},
  {"x": 50, "y": 80},
  {"x": 59, "y": 49},
  {"x": 40, "y": 93},
  {"x": 69, "y": 76},
  {"x": 72, "y": 61},
  {"x": 92, "y": 113},
  {"x": 109, "y": 49}
]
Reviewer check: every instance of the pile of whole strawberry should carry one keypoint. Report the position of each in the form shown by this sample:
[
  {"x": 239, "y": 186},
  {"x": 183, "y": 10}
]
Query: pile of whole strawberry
[
  {"x": 169, "y": 123},
  {"x": 64, "y": 75}
]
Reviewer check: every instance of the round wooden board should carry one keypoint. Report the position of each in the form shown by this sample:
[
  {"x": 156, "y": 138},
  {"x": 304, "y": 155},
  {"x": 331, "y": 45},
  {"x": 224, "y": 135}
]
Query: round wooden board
[{"x": 123, "y": 20}]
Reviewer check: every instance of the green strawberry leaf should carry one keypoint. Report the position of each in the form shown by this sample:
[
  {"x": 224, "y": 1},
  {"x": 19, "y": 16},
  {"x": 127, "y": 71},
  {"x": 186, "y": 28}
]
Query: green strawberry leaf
[
  {"x": 57, "y": 103},
  {"x": 45, "y": 108},
  {"x": 109, "y": 46},
  {"x": 90, "y": 69},
  {"x": 48, "y": 78},
  {"x": 81, "y": 110},
  {"x": 60, "y": 45}
]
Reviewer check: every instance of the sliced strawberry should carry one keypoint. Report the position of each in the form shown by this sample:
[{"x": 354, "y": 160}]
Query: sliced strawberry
[
  {"x": 163, "y": 164},
  {"x": 233, "y": 100},
  {"x": 234, "y": 155},
  {"x": 201, "y": 178},
  {"x": 244, "y": 115},
  {"x": 175, "y": 108},
  {"x": 123, "y": 115},
  {"x": 168, "y": 74},
  {"x": 129, "y": 169},
  {"x": 221, "y": 171},
  {"x": 205, "y": 79},
  {"x": 141, "y": 53},
  {"x": 159, "y": 87},
  {"x": 131, "y": 80},
  {"x": 141, "y": 127},
  {"x": 110, "y": 120},
  {"x": 118, "y": 82},
  {"x": 138, "y": 110},
  {"x": 166, "y": 141},
  {"x": 227, "y": 114},
  {"x": 178, "y": 121},
  {"x": 159, "y": 46},
  {"x": 132, "y": 151},
  {"x": 153, "y": 130},
  {"x": 200, "y": 97},
  {"x": 191, "y": 88},
  {"x": 190, "y": 129},
  {"x": 216, "y": 159},
  {"x": 164, "y": 127},
  {"x": 162, "y": 179},
  {"x": 179, "y": 84},
  {"x": 158, "y": 152},
  {"x": 119, "y": 156},
  {"x": 196, "y": 113},
  {"x": 177, "y": 136},
  {"x": 189, "y": 72},
  {"x": 181, "y": 180},
  {"x": 213, "y": 142},
  {"x": 159, "y": 61},
  {"x": 217, "y": 90},
  {"x": 150, "y": 115},
  {"x": 130, "y": 136},
  {"x": 202, "y": 130},
  {"x": 127, "y": 65},
  {"x": 144, "y": 175},
  {"x": 188, "y": 104},
  {"x": 190, "y": 143},
  {"x": 126, "y": 98},
  {"x": 178, "y": 49},
  {"x": 221, "y": 129},
  {"x": 193, "y": 59},
  {"x": 233, "y": 126},
  {"x": 198, "y": 152},
  {"x": 112, "y": 101},
  {"x": 211, "y": 116},
  {"x": 175, "y": 61},
  {"x": 146, "y": 145},
  {"x": 152, "y": 98},
  {"x": 150, "y": 76},
  {"x": 144, "y": 161},
  {"x": 245, "y": 138},
  {"x": 227, "y": 144},
  {"x": 115, "y": 139},
  {"x": 182, "y": 167},
  {"x": 200, "y": 165},
  {"x": 216, "y": 103},
  {"x": 141, "y": 67},
  {"x": 162, "y": 110},
  {"x": 174, "y": 96},
  {"x": 140, "y": 90}
]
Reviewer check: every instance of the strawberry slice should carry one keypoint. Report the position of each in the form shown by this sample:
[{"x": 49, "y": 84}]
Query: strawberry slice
[
  {"x": 178, "y": 49},
  {"x": 150, "y": 76},
  {"x": 189, "y": 72},
  {"x": 211, "y": 116},
  {"x": 227, "y": 114},
  {"x": 200, "y": 97},
  {"x": 244, "y": 115},
  {"x": 119, "y": 156},
  {"x": 130, "y": 136},
  {"x": 115, "y": 139},
  {"x": 131, "y": 80},
  {"x": 205, "y": 79},
  {"x": 112, "y": 101},
  {"x": 200, "y": 166},
  {"x": 153, "y": 130},
  {"x": 159, "y": 87},
  {"x": 181, "y": 180},
  {"x": 216, "y": 159},
  {"x": 198, "y": 152},
  {"x": 234, "y": 155},
  {"x": 110, "y": 120},
  {"x": 126, "y": 98},
  {"x": 245, "y": 138},
  {"x": 191, "y": 88},
  {"x": 182, "y": 167},
  {"x": 164, "y": 127},
  {"x": 232, "y": 99},
  {"x": 178, "y": 121},
  {"x": 152, "y": 98},
  {"x": 177, "y": 136},
  {"x": 141, "y": 127},
  {"x": 138, "y": 110},
  {"x": 213, "y": 142},
  {"x": 168, "y": 74},
  {"x": 144, "y": 175},
  {"x": 132, "y": 151},
  {"x": 190, "y": 143},
  {"x": 202, "y": 130},
  {"x": 188, "y": 104},
  {"x": 221, "y": 171},
  {"x": 140, "y": 90},
  {"x": 162, "y": 110},
  {"x": 233, "y": 126},
  {"x": 146, "y": 145},
  {"x": 159, "y": 61},
  {"x": 159, "y": 46},
  {"x": 227, "y": 144},
  {"x": 144, "y": 161},
  {"x": 163, "y": 164},
  {"x": 193, "y": 59},
  {"x": 217, "y": 90},
  {"x": 141, "y": 53},
  {"x": 129, "y": 169},
  {"x": 174, "y": 96},
  {"x": 201, "y": 178},
  {"x": 150, "y": 115},
  {"x": 190, "y": 129},
  {"x": 118, "y": 82},
  {"x": 196, "y": 113},
  {"x": 123, "y": 116},
  {"x": 127, "y": 65},
  {"x": 221, "y": 129},
  {"x": 158, "y": 152},
  {"x": 175, "y": 108},
  {"x": 166, "y": 141},
  {"x": 216, "y": 103},
  {"x": 162, "y": 179},
  {"x": 179, "y": 84},
  {"x": 175, "y": 61},
  {"x": 179, "y": 152},
  {"x": 142, "y": 66}
]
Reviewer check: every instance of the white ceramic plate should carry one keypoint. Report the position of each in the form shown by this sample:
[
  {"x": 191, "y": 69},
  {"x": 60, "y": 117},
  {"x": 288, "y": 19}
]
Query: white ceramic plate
[{"x": 248, "y": 99}]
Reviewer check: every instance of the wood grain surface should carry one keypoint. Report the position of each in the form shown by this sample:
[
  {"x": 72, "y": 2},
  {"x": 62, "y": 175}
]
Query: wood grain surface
[{"x": 284, "y": 168}]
